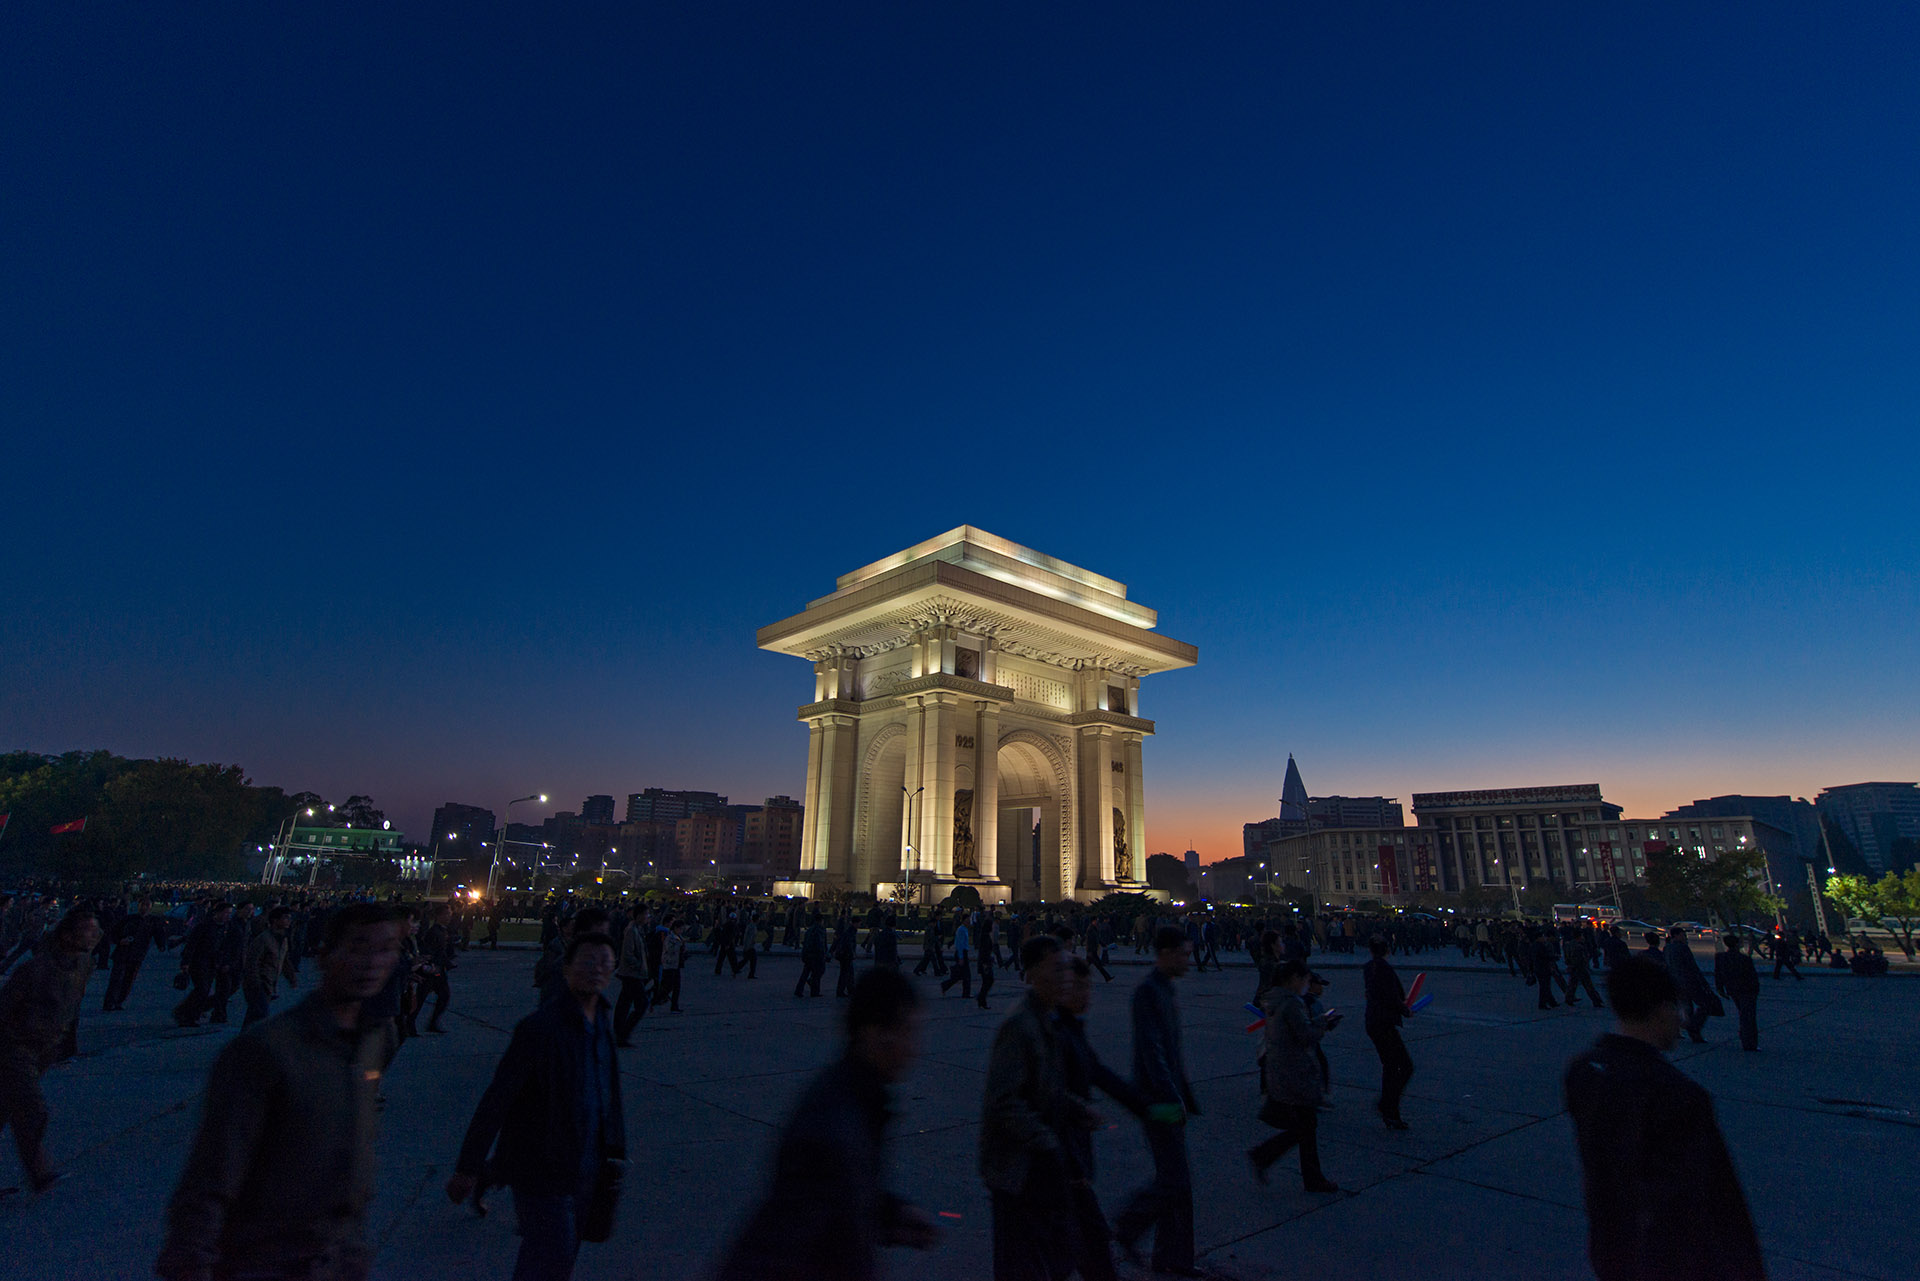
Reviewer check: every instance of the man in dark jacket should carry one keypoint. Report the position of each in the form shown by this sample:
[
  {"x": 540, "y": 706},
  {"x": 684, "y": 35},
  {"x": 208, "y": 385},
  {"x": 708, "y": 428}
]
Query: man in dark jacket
[
  {"x": 132, "y": 935},
  {"x": 436, "y": 959},
  {"x": 554, "y": 1106},
  {"x": 1697, "y": 1000},
  {"x": 230, "y": 960},
  {"x": 281, "y": 1170},
  {"x": 1574, "y": 949},
  {"x": 825, "y": 1215},
  {"x": 198, "y": 955},
  {"x": 1084, "y": 1071},
  {"x": 1160, "y": 1075},
  {"x": 1735, "y": 978},
  {"x": 813, "y": 956},
  {"x": 930, "y": 948},
  {"x": 1545, "y": 970},
  {"x": 1386, "y": 1010},
  {"x": 1023, "y": 1163},
  {"x": 1663, "y": 1200},
  {"x": 38, "y": 1004}
]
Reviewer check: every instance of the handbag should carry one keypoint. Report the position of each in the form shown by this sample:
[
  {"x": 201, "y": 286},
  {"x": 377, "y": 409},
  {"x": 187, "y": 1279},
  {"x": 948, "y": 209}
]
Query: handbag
[{"x": 596, "y": 1220}]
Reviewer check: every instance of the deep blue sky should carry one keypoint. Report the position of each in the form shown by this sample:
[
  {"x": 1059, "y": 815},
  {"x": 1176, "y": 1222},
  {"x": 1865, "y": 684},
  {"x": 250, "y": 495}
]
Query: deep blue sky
[{"x": 430, "y": 400}]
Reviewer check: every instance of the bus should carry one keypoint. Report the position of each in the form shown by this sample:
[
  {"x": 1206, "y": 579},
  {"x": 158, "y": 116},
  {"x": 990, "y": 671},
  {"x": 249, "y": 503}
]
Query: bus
[{"x": 1599, "y": 913}]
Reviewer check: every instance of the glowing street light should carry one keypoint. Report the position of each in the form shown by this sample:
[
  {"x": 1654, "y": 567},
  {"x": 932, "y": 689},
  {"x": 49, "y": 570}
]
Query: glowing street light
[{"x": 500, "y": 842}]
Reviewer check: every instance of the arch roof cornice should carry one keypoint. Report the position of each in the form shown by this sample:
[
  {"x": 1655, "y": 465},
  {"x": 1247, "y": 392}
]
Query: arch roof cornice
[{"x": 886, "y": 609}]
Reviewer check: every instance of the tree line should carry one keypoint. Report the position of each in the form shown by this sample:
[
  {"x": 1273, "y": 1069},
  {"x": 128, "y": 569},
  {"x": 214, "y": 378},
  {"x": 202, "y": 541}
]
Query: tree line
[{"x": 168, "y": 818}]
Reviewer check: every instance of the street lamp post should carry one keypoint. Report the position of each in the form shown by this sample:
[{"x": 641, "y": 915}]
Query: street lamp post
[
  {"x": 1813, "y": 876},
  {"x": 500, "y": 841},
  {"x": 282, "y": 837},
  {"x": 908, "y": 892},
  {"x": 433, "y": 858}
]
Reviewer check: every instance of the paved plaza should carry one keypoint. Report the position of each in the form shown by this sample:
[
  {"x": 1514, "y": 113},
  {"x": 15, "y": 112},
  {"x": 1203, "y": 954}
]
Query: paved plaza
[{"x": 1485, "y": 1184}]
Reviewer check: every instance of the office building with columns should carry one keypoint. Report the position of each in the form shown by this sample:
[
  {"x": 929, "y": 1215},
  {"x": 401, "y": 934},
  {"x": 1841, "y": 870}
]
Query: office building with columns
[{"x": 965, "y": 690}]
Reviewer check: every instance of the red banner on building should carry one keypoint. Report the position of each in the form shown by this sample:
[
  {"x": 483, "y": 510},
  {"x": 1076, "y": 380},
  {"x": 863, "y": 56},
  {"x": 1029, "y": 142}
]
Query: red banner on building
[
  {"x": 1389, "y": 871},
  {"x": 1606, "y": 860},
  {"x": 78, "y": 825}
]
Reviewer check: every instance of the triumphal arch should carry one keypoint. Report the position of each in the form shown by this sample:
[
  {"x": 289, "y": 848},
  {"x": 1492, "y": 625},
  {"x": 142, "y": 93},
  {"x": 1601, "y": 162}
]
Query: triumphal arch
[{"x": 975, "y": 720}]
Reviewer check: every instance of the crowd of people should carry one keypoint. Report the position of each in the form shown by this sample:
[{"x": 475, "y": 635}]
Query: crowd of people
[{"x": 280, "y": 1170}]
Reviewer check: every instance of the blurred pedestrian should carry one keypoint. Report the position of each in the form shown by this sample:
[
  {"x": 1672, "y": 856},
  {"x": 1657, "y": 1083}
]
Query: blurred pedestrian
[
  {"x": 265, "y": 964},
  {"x": 38, "y": 1004},
  {"x": 1292, "y": 1085},
  {"x": 825, "y": 1214},
  {"x": 1022, "y": 1161},
  {"x": 1735, "y": 978},
  {"x": 277, "y": 1181},
  {"x": 132, "y": 936},
  {"x": 1160, "y": 1075},
  {"x": 1386, "y": 1011},
  {"x": 1663, "y": 1200},
  {"x": 1697, "y": 1001}
]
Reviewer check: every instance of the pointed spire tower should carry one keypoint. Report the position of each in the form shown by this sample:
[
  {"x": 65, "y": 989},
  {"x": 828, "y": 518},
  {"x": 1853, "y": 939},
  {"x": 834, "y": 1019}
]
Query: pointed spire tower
[{"x": 1293, "y": 797}]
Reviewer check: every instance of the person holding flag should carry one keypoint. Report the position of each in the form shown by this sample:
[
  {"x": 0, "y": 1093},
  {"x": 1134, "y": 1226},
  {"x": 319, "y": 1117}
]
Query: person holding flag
[{"x": 1386, "y": 1010}]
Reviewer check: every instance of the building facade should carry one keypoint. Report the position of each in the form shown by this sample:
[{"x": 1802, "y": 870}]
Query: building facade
[
  {"x": 964, "y": 688},
  {"x": 1514, "y": 836},
  {"x": 773, "y": 838},
  {"x": 1347, "y": 864},
  {"x": 666, "y": 804},
  {"x": 1879, "y": 818},
  {"x": 461, "y": 833},
  {"x": 597, "y": 809},
  {"x": 1784, "y": 813}
]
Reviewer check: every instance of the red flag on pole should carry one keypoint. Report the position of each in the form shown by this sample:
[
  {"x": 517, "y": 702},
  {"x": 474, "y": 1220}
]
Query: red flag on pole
[{"x": 78, "y": 825}]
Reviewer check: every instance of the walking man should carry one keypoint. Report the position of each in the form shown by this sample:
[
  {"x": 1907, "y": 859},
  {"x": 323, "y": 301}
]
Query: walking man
[
  {"x": 673, "y": 955},
  {"x": 1662, "y": 1196},
  {"x": 962, "y": 960},
  {"x": 930, "y": 948},
  {"x": 1022, "y": 1161},
  {"x": 554, "y": 1107},
  {"x": 1291, "y": 1078},
  {"x": 40, "y": 1001},
  {"x": 1386, "y": 1010},
  {"x": 132, "y": 936},
  {"x": 632, "y": 973},
  {"x": 436, "y": 959},
  {"x": 1696, "y": 998},
  {"x": 825, "y": 1215},
  {"x": 281, "y": 1170},
  {"x": 1786, "y": 953},
  {"x": 197, "y": 956},
  {"x": 845, "y": 946},
  {"x": 1735, "y": 978},
  {"x": 813, "y": 956},
  {"x": 266, "y": 961},
  {"x": 1160, "y": 1076},
  {"x": 1545, "y": 970},
  {"x": 1579, "y": 969}
]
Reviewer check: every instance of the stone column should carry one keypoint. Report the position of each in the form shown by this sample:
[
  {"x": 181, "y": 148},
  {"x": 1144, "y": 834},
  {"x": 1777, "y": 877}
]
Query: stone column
[
  {"x": 1056, "y": 881},
  {"x": 910, "y": 807},
  {"x": 986, "y": 790},
  {"x": 1136, "y": 808},
  {"x": 936, "y": 771},
  {"x": 1095, "y": 774},
  {"x": 810, "y": 821},
  {"x": 834, "y": 844}
]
